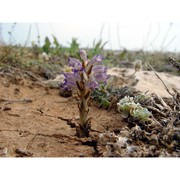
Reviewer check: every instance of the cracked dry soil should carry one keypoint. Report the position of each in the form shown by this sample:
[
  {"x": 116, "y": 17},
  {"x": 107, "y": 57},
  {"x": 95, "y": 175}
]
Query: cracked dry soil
[{"x": 36, "y": 121}]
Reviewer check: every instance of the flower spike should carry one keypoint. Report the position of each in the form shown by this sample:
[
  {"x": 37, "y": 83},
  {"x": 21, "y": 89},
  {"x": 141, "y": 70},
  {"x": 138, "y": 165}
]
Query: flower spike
[{"x": 85, "y": 76}]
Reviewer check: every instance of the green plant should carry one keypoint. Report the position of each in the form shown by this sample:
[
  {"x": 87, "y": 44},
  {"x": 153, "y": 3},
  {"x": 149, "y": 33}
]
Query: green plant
[
  {"x": 140, "y": 113},
  {"x": 101, "y": 96},
  {"x": 36, "y": 50},
  {"x": 47, "y": 45},
  {"x": 130, "y": 108},
  {"x": 74, "y": 48},
  {"x": 97, "y": 48}
]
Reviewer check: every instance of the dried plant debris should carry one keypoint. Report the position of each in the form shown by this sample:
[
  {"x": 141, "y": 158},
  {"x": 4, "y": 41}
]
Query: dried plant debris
[
  {"x": 136, "y": 142},
  {"x": 23, "y": 153},
  {"x": 175, "y": 64},
  {"x": 4, "y": 151},
  {"x": 153, "y": 128}
]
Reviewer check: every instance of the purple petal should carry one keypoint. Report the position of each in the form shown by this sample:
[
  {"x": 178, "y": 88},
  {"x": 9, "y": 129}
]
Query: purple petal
[
  {"x": 70, "y": 83},
  {"x": 75, "y": 76},
  {"x": 65, "y": 85},
  {"x": 96, "y": 59},
  {"x": 101, "y": 78},
  {"x": 99, "y": 69},
  {"x": 75, "y": 63},
  {"x": 92, "y": 84},
  {"x": 70, "y": 79}
]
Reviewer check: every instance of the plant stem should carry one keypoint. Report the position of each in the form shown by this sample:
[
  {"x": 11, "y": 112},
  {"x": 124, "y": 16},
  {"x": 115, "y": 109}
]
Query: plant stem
[{"x": 83, "y": 112}]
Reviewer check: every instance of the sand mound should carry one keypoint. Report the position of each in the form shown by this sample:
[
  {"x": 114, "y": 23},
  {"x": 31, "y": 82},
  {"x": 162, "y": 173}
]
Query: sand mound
[{"x": 144, "y": 80}]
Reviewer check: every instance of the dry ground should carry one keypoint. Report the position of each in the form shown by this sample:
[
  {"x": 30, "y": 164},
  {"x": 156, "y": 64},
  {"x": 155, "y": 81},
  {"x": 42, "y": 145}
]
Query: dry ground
[{"x": 36, "y": 121}]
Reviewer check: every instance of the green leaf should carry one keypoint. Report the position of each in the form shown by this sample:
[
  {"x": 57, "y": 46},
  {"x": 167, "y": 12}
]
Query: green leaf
[
  {"x": 55, "y": 41},
  {"x": 46, "y": 46}
]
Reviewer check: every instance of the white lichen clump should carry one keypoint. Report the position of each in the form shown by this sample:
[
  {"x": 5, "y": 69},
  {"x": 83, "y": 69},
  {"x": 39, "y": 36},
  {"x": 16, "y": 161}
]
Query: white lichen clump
[{"x": 129, "y": 108}]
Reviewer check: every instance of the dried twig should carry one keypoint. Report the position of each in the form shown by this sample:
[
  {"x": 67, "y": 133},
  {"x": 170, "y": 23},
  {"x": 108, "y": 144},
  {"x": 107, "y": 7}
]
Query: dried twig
[
  {"x": 4, "y": 108},
  {"x": 15, "y": 101},
  {"x": 176, "y": 99},
  {"x": 160, "y": 79},
  {"x": 33, "y": 77},
  {"x": 156, "y": 110},
  {"x": 162, "y": 102},
  {"x": 31, "y": 141}
]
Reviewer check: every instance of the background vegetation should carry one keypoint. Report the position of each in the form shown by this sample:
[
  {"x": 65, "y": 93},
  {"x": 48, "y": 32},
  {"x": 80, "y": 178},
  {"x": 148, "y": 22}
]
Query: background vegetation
[{"x": 49, "y": 58}]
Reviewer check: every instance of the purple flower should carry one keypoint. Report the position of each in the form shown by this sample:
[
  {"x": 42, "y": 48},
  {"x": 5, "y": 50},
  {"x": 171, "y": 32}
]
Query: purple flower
[
  {"x": 89, "y": 73},
  {"x": 99, "y": 69},
  {"x": 95, "y": 60},
  {"x": 92, "y": 84},
  {"x": 71, "y": 79},
  {"x": 101, "y": 78},
  {"x": 99, "y": 73},
  {"x": 74, "y": 76}
]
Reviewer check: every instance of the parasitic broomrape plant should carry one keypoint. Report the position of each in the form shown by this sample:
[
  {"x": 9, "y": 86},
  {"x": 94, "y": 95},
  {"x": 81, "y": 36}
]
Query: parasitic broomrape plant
[{"x": 85, "y": 76}]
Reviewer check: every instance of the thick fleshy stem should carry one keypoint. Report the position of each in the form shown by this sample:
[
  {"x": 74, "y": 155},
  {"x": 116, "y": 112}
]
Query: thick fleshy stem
[{"x": 84, "y": 123}]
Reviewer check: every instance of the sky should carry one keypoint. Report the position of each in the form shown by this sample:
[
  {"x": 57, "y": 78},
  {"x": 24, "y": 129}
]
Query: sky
[
  {"x": 133, "y": 36},
  {"x": 132, "y": 24}
]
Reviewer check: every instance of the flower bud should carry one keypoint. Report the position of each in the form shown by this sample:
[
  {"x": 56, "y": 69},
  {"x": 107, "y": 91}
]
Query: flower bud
[{"x": 83, "y": 55}]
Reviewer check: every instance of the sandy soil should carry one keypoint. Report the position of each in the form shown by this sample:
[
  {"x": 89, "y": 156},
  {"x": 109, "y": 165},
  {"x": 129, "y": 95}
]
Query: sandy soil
[
  {"x": 36, "y": 121},
  {"x": 146, "y": 81}
]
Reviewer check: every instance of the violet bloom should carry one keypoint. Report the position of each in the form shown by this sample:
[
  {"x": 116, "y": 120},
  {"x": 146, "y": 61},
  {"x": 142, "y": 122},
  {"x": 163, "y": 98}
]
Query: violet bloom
[
  {"x": 90, "y": 72},
  {"x": 75, "y": 64},
  {"x": 71, "y": 79}
]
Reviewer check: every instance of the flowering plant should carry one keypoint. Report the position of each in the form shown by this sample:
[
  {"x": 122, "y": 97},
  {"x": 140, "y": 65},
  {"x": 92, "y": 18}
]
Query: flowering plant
[{"x": 85, "y": 76}]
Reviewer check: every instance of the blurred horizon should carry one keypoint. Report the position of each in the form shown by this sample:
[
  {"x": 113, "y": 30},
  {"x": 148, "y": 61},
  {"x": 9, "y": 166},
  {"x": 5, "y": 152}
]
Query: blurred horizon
[{"x": 131, "y": 36}]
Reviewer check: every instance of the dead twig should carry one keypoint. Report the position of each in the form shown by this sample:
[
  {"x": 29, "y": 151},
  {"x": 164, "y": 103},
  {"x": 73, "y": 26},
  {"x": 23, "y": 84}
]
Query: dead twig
[
  {"x": 15, "y": 101},
  {"x": 160, "y": 79},
  {"x": 162, "y": 102},
  {"x": 31, "y": 141},
  {"x": 176, "y": 99},
  {"x": 156, "y": 110},
  {"x": 5, "y": 108},
  {"x": 15, "y": 115}
]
